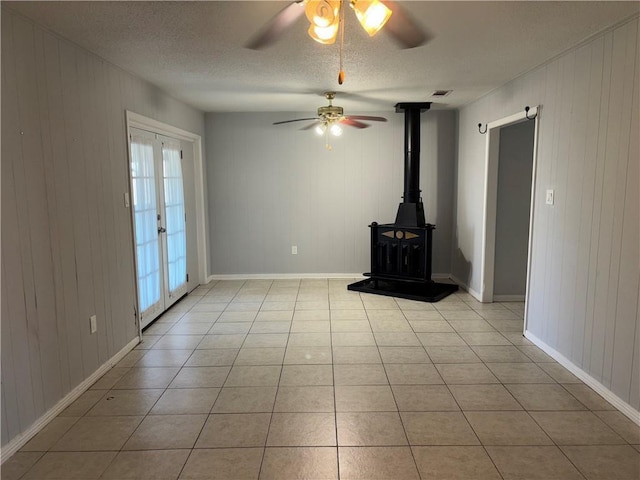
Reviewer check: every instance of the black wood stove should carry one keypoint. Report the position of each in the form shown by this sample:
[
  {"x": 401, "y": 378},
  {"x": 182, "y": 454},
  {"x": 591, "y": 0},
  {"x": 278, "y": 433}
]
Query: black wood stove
[{"x": 401, "y": 251}]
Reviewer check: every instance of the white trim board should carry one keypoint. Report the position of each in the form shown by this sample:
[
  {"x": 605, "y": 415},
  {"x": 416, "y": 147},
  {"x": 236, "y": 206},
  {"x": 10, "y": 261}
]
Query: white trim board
[
  {"x": 490, "y": 197},
  {"x": 281, "y": 276},
  {"x": 608, "y": 395},
  {"x": 19, "y": 441},
  {"x": 466, "y": 288},
  {"x": 293, "y": 276}
]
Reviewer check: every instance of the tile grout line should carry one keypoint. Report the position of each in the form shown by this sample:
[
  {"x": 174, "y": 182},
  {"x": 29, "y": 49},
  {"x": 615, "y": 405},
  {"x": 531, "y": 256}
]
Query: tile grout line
[
  {"x": 217, "y": 396},
  {"x": 275, "y": 399},
  {"x": 393, "y": 395},
  {"x": 333, "y": 381},
  {"x": 214, "y": 402}
]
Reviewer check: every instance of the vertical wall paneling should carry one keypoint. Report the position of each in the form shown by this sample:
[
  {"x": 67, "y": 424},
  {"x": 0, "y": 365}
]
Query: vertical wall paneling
[
  {"x": 107, "y": 203},
  {"x": 629, "y": 283},
  {"x": 621, "y": 310},
  {"x": 547, "y": 127},
  {"x": 589, "y": 167},
  {"x": 607, "y": 240},
  {"x": 10, "y": 384},
  {"x": 8, "y": 381},
  {"x": 634, "y": 159},
  {"x": 574, "y": 162},
  {"x": 66, "y": 235},
  {"x": 634, "y": 398},
  {"x": 592, "y": 286},
  {"x": 16, "y": 327},
  {"x": 5, "y": 435},
  {"x": 118, "y": 156},
  {"x": 584, "y": 279},
  {"x": 58, "y": 382},
  {"x": 88, "y": 137},
  {"x": 43, "y": 238},
  {"x": 560, "y": 178},
  {"x": 68, "y": 333},
  {"x": 26, "y": 170},
  {"x": 73, "y": 95},
  {"x": 101, "y": 213}
]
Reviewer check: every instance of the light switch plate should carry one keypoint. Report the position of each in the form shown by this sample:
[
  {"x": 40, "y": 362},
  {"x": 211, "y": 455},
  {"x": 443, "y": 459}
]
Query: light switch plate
[
  {"x": 93, "y": 322},
  {"x": 549, "y": 198},
  {"x": 294, "y": 250}
]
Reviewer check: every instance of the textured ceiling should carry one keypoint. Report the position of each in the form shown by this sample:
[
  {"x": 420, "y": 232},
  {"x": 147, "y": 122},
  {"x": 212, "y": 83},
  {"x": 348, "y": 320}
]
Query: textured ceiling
[{"x": 194, "y": 50}]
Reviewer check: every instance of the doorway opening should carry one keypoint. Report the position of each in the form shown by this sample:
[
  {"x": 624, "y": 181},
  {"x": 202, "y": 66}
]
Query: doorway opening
[
  {"x": 509, "y": 206},
  {"x": 160, "y": 222},
  {"x": 167, "y": 202}
]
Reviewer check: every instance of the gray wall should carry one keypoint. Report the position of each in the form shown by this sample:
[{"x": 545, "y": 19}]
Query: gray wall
[
  {"x": 512, "y": 214},
  {"x": 66, "y": 236},
  {"x": 271, "y": 187},
  {"x": 584, "y": 272}
]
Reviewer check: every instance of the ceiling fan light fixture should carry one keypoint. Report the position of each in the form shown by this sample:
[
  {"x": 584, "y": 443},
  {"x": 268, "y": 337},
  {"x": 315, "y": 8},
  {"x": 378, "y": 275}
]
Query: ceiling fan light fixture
[
  {"x": 322, "y": 12},
  {"x": 324, "y": 16},
  {"x": 324, "y": 35},
  {"x": 336, "y": 130},
  {"x": 372, "y": 14},
  {"x": 320, "y": 129}
]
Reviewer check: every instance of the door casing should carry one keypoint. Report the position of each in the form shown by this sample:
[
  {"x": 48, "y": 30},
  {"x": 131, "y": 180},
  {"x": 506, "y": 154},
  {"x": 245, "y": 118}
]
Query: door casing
[{"x": 492, "y": 152}]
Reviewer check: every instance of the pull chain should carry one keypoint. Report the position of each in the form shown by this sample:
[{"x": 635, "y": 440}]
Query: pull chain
[{"x": 341, "y": 72}]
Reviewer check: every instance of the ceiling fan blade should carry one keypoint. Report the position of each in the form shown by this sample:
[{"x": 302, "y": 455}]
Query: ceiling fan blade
[
  {"x": 403, "y": 28},
  {"x": 295, "y": 120},
  {"x": 311, "y": 125},
  {"x": 367, "y": 117},
  {"x": 353, "y": 123},
  {"x": 276, "y": 26}
]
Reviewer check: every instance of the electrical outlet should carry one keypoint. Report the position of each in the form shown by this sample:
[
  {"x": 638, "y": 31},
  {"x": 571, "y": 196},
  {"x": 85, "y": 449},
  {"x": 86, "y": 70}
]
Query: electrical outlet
[
  {"x": 93, "y": 322},
  {"x": 294, "y": 250},
  {"x": 549, "y": 198}
]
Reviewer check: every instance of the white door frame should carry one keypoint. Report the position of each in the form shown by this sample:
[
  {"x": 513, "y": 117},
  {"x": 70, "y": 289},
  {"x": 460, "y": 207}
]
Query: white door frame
[
  {"x": 144, "y": 123},
  {"x": 491, "y": 196}
]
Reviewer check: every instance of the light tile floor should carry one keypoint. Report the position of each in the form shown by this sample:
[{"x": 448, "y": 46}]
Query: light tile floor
[{"x": 292, "y": 379}]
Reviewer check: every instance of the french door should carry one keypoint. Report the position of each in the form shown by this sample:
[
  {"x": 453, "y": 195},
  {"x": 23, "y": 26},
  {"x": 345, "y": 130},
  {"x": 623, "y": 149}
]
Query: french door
[{"x": 159, "y": 222}]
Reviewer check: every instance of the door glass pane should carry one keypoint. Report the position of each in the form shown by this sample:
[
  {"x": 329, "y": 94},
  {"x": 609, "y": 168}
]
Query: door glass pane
[
  {"x": 175, "y": 216},
  {"x": 146, "y": 224}
]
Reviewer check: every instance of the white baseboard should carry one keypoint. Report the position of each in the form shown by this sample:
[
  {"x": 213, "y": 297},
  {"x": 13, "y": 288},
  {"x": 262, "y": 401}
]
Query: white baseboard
[
  {"x": 478, "y": 296},
  {"x": 18, "y": 442},
  {"x": 608, "y": 395},
  {"x": 508, "y": 298},
  {"x": 280, "y": 276},
  {"x": 294, "y": 276},
  {"x": 466, "y": 288}
]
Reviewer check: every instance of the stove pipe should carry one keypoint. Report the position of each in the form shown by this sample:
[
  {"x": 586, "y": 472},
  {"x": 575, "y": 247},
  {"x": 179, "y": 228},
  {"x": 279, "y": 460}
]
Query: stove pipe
[{"x": 411, "y": 210}]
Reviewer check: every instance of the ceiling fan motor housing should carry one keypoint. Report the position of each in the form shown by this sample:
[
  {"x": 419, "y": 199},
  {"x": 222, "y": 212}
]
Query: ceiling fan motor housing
[{"x": 330, "y": 112}]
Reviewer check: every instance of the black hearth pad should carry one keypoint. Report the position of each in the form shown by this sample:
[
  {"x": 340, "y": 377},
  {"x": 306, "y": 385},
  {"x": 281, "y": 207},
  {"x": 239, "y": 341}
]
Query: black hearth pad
[{"x": 422, "y": 292}]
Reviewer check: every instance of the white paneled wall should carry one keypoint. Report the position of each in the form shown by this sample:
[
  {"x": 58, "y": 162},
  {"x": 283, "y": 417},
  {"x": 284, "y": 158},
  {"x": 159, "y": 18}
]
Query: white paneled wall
[
  {"x": 585, "y": 269},
  {"x": 272, "y": 187},
  {"x": 66, "y": 236}
]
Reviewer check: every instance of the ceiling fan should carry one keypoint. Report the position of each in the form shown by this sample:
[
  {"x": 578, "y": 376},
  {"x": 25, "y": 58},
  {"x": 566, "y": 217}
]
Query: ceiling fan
[
  {"x": 326, "y": 19},
  {"x": 331, "y": 117}
]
